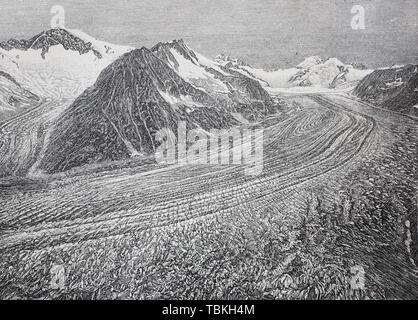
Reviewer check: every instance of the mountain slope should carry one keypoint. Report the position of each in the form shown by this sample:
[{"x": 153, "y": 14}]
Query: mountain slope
[
  {"x": 118, "y": 117},
  {"x": 185, "y": 62},
  {"x": 211, "y": 76},
  {"x": 394, "y": 89},
  {"x": 13, "y": 97}
]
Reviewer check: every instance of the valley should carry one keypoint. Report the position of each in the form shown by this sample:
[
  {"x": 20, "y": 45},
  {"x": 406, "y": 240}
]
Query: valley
[
  {"x": 309, "y": 149},
  {"x": 86, "y": 211}
]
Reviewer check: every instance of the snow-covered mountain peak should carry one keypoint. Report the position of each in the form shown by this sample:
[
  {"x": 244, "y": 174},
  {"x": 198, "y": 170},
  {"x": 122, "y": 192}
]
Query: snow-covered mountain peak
[
  {"x": 312, "y": 72},
  {"x": 58, "y": 62},
  {"x": 310, "y": 62},
  {"x": 335, "y": 62},
  {"x": 330, "y": 73},
  {"x": 165, "y": 48},
  {"x": 104, "y": 48},
  {"x": 224, "y": 59},
  {"x": 191, "y": 65}
]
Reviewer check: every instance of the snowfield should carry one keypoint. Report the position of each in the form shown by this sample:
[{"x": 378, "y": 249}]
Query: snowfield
[{"x": 63, "y": 73}]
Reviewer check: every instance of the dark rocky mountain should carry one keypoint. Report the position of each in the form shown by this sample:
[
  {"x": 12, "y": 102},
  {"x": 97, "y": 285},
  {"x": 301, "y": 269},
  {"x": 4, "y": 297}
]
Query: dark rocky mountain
[
  {"x": 163, "y": 51},
  {"x": 394, "y": 89},
  {"x": 135, "y": 97},
  {"x": 45, "y": 40},
  {"x": 118, "y": 117}
]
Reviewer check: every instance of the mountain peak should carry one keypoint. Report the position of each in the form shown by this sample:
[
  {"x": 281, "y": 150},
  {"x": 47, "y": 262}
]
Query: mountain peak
[
  {"x": 165, "y": 48},
  {"x": 172, "y": 44},
  {"x": 310, "y": 62},
  {"x": 179, "y": 42},
  {"x": 142, "y": 55},
  {"x": 138, "y": 52},
  {"x": 132, "y": 99},
  {"x": 52, "y": 37},
  {"x": 144, "y": 49},
  {"x": 226, "y": 59}
]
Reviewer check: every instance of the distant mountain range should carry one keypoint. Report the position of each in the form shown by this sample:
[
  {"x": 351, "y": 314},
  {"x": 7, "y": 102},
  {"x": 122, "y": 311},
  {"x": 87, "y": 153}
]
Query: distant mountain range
[
  {"x": 312, "y": 72},
  {"x": 121, "y": 96},
  {"x": 64, "y": 62},
  {"x": 135, "y": 93}
]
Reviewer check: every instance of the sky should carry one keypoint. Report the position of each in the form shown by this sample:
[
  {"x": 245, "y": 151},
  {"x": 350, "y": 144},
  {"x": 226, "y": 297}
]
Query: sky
[{"x": 264, "y": 33}]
